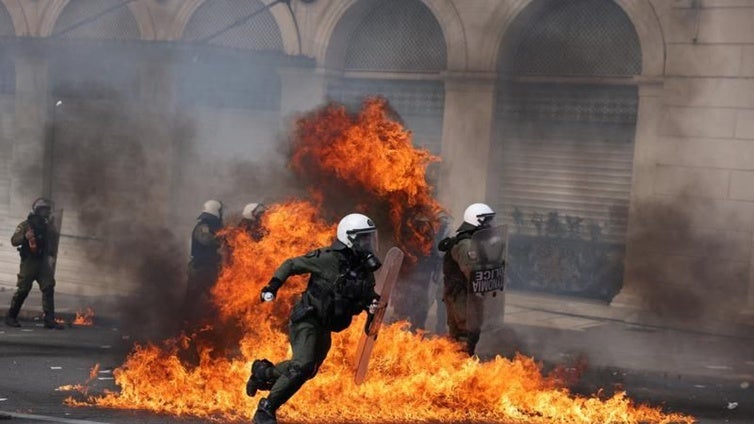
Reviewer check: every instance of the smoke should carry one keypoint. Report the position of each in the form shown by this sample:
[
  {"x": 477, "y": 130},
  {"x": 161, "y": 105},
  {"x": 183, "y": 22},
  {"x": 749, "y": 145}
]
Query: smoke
[
  {"x": 679, "y": 270},
  {"x": 112, "y": 169},
  {"x": 132, "y": 170}
]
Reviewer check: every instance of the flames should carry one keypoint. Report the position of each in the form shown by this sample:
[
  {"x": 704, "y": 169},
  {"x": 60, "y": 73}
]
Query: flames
[
  {"x": 412, "y": 378},
  {"x": 84, "y": 318},
  {"x": 367, "y": 160}
]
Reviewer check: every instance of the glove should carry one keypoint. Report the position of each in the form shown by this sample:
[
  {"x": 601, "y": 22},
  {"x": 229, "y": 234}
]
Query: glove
[
  {"x": 270, "y": 290},
  {"x": 368, "y": 324},
  {"x": 373, "y": 307},
  {"x": 445, "y": 244}
]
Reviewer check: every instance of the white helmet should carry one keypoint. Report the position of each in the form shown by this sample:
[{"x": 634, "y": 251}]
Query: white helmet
[
  {"x": 252, "y": 210},
  {"x": 213, "y": 207},
  {"x": 478, "y": 214},
  {"x": 353, "y": 225}
]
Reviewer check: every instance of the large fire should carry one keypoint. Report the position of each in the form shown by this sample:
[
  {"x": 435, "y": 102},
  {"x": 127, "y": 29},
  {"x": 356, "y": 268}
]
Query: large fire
[{"x": 412, "y": 378}]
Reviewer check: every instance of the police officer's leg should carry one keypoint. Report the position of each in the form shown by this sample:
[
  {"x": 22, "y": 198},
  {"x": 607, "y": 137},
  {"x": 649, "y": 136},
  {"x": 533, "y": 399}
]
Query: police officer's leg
[
  {"x": 310, "y": 344},
  {"x": 455, "y": 306},
  {"x": 26, "y": 275},
  {"x": 46, "y": 282},
  {"x": 474, "y": 318}
]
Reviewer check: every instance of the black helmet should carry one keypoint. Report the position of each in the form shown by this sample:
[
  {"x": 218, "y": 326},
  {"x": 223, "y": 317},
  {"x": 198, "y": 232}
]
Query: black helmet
[{"x": 41, "y": 206}]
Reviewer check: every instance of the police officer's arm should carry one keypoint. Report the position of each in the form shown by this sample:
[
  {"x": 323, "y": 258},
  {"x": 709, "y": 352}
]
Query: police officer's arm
[
  {"x": 462, "y": 254},
  {"x": 204, "y": 235},
  {"x": 306, "y": 264},
  {"x": 19, "y": 235}
]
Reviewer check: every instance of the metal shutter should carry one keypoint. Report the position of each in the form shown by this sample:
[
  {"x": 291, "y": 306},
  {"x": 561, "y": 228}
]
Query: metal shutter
[{"x": 561, "y": 177}]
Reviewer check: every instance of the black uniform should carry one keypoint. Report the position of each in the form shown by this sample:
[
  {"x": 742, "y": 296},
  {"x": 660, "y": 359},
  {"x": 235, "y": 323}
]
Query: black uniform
[{"x": 205, "y": 260}]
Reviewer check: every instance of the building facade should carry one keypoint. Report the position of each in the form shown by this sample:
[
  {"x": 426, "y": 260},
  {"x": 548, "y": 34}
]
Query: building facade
[{"x": 615, "y": 137}]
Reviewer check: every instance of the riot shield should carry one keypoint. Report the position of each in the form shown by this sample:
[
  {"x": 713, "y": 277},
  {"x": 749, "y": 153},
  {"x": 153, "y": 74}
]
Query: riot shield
[
  {"x": 489, "y": 246},
  {"x": 385, "y": 281},
  {"x": 55, "y": 223},
  {"x": 485, "y": 302}
]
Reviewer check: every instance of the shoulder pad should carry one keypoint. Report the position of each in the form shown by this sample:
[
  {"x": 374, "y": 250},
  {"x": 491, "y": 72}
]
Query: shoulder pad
[{"x": 313, "y": 254}]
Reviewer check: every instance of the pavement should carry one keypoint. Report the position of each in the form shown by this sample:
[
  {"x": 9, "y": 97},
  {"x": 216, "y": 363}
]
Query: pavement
[{"x": 705, "y": 368}]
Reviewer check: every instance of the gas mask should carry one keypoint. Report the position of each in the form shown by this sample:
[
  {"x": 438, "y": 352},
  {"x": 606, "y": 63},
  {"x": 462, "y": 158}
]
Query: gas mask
[{"x": 364, "y": 245}]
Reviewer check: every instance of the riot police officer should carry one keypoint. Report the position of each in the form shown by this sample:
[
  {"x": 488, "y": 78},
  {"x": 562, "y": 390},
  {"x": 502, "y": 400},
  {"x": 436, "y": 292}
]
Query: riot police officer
[
  {"x": 206, "y": 259},
  {"x": 251, "y": 220},
  {"x": 465, "y": 310},
  {"x": 36, "y": 240},
  {"x": 341, "y": 285}
]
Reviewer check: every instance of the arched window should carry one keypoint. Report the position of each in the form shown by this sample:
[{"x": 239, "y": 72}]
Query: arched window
[
  {"x": 387, "y": 41},
  {"x": 237, "y": 24},
  {"x": 83, "y": 65},
  {"x": 565, "y": 120},
  {"x": 7, "y": 67},
  {"x": 243, "y": 24},
  {"x": 96, "y": 19}
]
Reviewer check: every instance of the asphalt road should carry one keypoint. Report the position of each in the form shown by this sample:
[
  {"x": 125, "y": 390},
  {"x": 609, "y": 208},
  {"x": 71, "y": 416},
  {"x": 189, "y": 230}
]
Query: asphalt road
[{"x": 34, "y": 362}]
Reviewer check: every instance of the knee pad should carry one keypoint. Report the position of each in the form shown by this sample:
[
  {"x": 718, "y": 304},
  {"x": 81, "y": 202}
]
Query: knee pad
[{"x": 261, "y": 374}]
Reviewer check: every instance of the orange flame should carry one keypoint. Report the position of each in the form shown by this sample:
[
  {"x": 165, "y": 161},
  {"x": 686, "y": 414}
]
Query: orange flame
[
  {"x": 81, "y": 388},
  {"x": 366, "y": 157},
  {"x": 412, "y": 378},
  {"x": 85, "y": 317}
]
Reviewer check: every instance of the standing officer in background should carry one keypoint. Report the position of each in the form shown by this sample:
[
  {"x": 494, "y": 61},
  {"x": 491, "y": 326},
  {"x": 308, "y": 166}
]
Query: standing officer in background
[
  {"x": 36, "y": 240},
  {"x": 251, "y": 220},
  {"x": 465, "y": 309},
  {"x": 341, "y": 285},
  {"x": 206, "y": 259}
]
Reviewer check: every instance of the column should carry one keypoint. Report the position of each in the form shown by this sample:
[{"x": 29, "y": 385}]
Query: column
[
  {"x": 648, "y": 119},
  {"x": 466, "y": 138}
]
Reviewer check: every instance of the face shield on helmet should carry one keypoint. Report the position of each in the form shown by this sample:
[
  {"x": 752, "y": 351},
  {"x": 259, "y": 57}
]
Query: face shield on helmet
[
  {"x": 42, "y": 207},
  {"x": 359, "y": 233},
  {"x": 478, "y": 215}
]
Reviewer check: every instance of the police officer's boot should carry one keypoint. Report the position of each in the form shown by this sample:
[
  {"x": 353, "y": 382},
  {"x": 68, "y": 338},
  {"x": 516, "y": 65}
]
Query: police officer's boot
[
  {"x": 265, "y": 413},
  {"x": 261, "y": 377},
  {"x": 11, "y": 320},
  {"x": 50, "y": 322},
  {"x": 48, "y": 300}
]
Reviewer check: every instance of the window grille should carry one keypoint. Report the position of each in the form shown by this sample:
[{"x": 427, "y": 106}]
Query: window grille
[
  {"x": 6, "y": 23},
  {"x": 574, "y": 37},
  {"x": 81, "y": 17},
  {"x": 397, "y": 35},
  {"x": 260, "y": 32}
]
